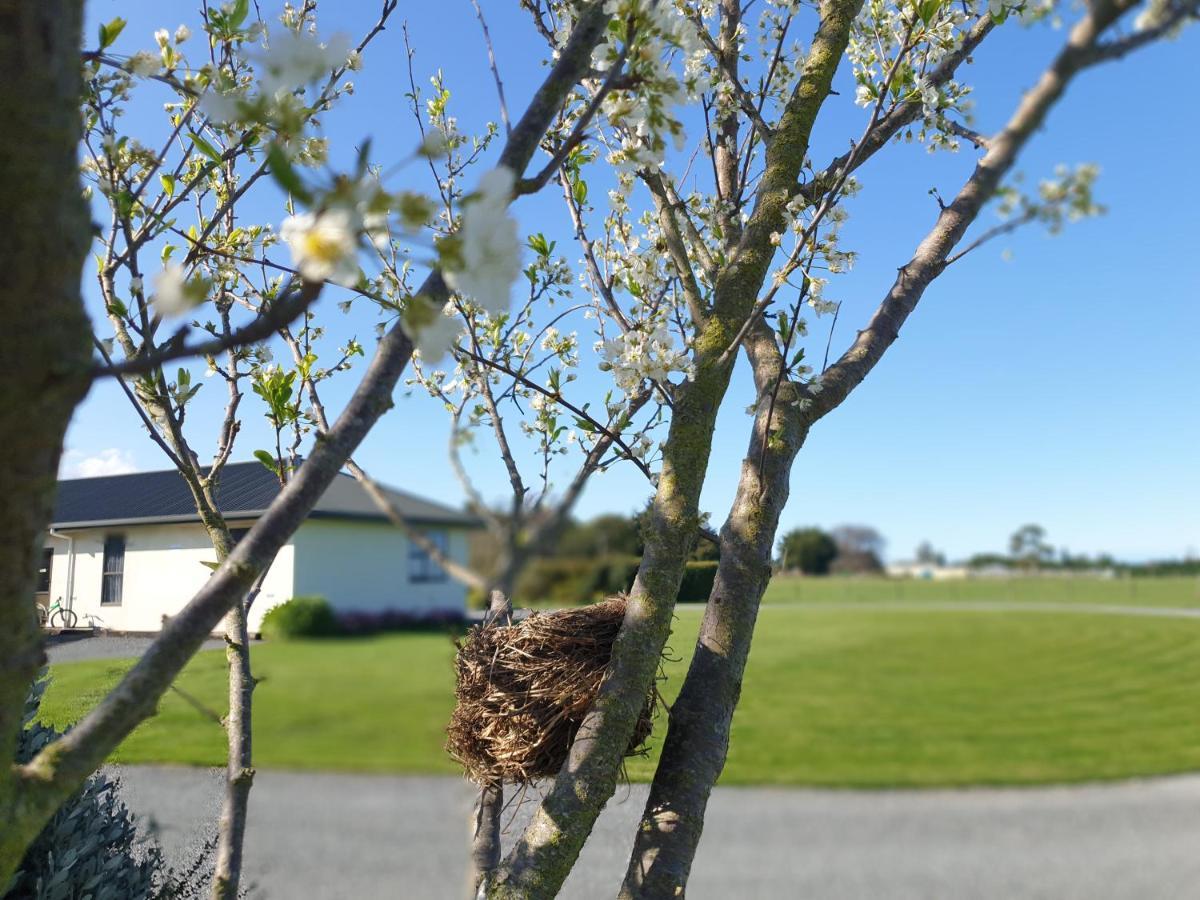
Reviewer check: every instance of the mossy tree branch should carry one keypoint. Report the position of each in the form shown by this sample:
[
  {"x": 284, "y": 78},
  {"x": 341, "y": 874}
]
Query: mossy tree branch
[{"x": 697, "y": 740}]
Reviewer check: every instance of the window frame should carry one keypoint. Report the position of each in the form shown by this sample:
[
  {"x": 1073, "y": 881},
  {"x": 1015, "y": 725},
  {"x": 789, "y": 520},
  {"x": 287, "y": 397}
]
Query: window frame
[
  {"x": 423, "y": 568},
  {"x": 46, "y": 571},
  {"x": 110, "y": 573}
]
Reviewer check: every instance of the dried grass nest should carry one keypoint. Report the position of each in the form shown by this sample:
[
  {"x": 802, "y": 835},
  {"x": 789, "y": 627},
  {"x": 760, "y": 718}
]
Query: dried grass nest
[{"x": 523, "y": 690}]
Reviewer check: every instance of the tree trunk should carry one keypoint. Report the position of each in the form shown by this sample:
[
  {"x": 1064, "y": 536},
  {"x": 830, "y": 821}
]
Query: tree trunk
[
  {"x": 239, "y": 763},
  {"x": 44, "y": 341},
  {"x": 697, "y": 740},
  {"x": 239, "y": 775},
  {"x": 485, "y": 820}
]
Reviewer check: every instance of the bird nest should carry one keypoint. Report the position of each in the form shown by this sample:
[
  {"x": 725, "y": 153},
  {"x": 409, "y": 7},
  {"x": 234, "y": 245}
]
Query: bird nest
[{"x": 523, "y": 690}]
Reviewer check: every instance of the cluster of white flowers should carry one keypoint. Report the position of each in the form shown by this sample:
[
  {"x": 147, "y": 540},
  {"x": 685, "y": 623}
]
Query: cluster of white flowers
[
  {"x": 144, "y": 64},
  {"x": 291, "y": 59},
  {"x": 1067, "y": 197},
  {"x": 480, "y": 262},
  {"x": 489, "y": 249},
  {"x": 641, "y": 354},
  {"x": 433, "y": 331},
  {"x": 651, "y": 35},
  {"x": 324, "y": 245},
  {"x": 873, "y": 48}
]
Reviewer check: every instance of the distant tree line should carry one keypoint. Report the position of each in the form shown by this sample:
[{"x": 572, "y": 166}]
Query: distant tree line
[
  {"x": 595, "y": 558},
  {"x": 858, "y": 550}
]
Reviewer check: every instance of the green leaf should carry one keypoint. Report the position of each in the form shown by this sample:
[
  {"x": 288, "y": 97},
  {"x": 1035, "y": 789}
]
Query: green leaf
[
  {"x": 927, "y": 9},
  {"x": 168, "y": 183},
  {"x": 580, "y": 192},
  {"x": 110, "y": 32},
  {"x": 205, "y": 147},
  {"x": 283, "y": 173},
  {"x": 210, "y": 565},
  {"x": 237, "y": 15},
  {"x": 123, "y": 202},
  {"x": 267, "y": 460}
]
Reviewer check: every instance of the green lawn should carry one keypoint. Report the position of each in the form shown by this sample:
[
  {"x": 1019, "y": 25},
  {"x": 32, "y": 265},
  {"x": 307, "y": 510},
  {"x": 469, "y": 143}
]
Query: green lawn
[{"x": 863, "y": 695}]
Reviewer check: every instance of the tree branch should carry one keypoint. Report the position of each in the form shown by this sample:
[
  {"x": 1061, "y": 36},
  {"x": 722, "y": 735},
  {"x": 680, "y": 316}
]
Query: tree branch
[
  {"x": 930, "y": 257},
  {"x": 294, "y": 302}
]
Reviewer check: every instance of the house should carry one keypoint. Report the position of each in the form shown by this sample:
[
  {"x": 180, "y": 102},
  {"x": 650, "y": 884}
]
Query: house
[
  {"x": 126, "y": 551},
  {"x": 927, "y": 571}
]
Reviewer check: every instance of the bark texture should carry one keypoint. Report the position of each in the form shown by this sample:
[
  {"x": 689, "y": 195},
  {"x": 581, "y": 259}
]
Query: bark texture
[
  {"x": 44, "y": 343},
  {"x": 485, "y": 820},
  {"x": 697, "y": 738}
]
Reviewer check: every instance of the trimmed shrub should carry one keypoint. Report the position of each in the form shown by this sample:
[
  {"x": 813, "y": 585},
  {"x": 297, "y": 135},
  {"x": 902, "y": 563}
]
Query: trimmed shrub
[
  {"x": 357, "y": 622},
  {"x": 615, "y": 574},
  {"x": 300, "y": 617},
  {"x": 697, "y": 582},
  {"x": 556, "y": 582},
  {"x": 573, "y": 582}
]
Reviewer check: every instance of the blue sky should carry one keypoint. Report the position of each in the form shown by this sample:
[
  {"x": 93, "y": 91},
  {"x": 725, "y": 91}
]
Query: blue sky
[{"x": 1058, "y": 386}]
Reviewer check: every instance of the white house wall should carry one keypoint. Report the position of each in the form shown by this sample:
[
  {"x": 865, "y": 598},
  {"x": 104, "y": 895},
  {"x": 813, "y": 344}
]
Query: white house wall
[
  {"x": 365, "y": 566},
  {"x": 163, "y": 570}
]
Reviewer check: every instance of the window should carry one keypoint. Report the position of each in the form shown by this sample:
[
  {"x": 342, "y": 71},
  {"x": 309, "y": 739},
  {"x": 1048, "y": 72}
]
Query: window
[
  {"x": 421, "y": 566},
  {"x": 43, "y": 582},
  {"x": 113, "y": 573}
]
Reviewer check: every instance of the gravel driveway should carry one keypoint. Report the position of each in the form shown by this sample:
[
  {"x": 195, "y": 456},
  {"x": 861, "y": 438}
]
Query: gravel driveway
[
  {"x": 349, "y": 836},
  {"x": 72, "y": 647}
]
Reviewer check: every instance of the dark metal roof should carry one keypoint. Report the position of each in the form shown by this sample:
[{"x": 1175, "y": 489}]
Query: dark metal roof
[{"x": 244, "y": 491}]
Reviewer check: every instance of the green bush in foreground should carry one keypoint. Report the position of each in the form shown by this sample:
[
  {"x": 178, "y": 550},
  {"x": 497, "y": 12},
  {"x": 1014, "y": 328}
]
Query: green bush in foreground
[
  {"x": 300, "y": 617},
  {"x": 91, "y": 848}
]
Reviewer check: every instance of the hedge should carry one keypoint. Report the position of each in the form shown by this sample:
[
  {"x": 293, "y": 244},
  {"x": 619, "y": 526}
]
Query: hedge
[{"x": 571, "y": 582}]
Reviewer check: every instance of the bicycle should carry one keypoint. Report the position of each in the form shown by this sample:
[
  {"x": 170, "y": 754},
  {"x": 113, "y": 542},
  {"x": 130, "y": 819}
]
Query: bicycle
[{"x": 57, "y": 616}]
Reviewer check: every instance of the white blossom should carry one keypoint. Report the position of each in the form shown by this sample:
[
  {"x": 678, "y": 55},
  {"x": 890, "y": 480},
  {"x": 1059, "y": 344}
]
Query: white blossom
[
  {"x": 294, "y": 59},
  {"x": 144, "y": 64},
  {"x": 182, "y": 33},
  {"x": 490, "y": 249},
  {"x": 219, "y": 108},
  {"x": 637, "y": 355},
  {"x": 162, "y": 37},
  {"x": 324, "y": 245},
  {"x": 434, "y": 340},
  {"x": 171, "y": 296}
]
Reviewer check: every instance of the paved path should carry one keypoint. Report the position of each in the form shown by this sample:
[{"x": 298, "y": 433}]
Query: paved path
[
  {"x": 1089, "y": 609},
  {"x": 366, "y": 837},
  {"x": 73, "y": 647}
]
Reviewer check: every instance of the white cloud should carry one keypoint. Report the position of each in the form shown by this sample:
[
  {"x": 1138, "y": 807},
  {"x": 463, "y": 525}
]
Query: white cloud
[{"x": 113, "y": 461}]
